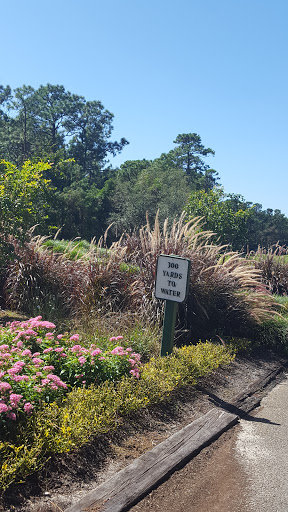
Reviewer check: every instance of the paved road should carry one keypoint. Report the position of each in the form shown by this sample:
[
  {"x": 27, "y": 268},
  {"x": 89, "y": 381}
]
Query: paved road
[
  {"x": 262, "y": 449},
  {"x": 245, "y": 470}
]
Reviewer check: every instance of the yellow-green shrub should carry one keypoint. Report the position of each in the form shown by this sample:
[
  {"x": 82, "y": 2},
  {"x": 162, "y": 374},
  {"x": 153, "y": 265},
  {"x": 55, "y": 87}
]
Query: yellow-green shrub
[{"x": 86, "y": 413}]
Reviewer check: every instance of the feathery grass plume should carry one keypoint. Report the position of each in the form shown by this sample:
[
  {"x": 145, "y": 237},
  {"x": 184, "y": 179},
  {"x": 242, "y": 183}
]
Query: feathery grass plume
[
  {"x": 273, "y": 264},
  {"x": 54, "y": 284},
  {"x": 40, "y": 281},
  {"x": 226, "y": 295}
]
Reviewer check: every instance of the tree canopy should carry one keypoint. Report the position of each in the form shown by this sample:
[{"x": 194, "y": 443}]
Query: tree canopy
[
  {"x": 52, "y": 123},
  {"x": 240, "y": 224},
  {"x": 79, "y": 191},
  {"x": 147, "y": 186},
  {"x": 188, "y": 155}
]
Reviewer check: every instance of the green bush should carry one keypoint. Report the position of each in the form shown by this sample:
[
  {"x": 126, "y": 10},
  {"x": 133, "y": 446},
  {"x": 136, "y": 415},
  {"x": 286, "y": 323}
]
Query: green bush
[
  {"x": 88, "y": 412},
  {"x": 273, "y": 333}
]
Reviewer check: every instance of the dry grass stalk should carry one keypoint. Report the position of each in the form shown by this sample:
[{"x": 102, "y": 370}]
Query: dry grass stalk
[{"x": 222, "y": 283}]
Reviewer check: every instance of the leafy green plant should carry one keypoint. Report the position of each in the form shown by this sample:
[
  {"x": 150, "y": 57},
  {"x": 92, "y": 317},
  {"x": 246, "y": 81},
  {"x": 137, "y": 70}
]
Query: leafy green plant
[
  {"x": 22, "y": 191},
  {"x": 273, "y": 333},
  {"x": 88, "y": 412},
  {"x": 37, "y": 366},
  {"x": 23, "y": 202},
  {"x": 226, "y": 215}
]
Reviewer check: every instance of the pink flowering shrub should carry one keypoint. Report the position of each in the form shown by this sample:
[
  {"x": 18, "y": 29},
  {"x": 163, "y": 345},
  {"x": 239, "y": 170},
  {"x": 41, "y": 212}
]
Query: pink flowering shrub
[{"x": 37, "y": 365}]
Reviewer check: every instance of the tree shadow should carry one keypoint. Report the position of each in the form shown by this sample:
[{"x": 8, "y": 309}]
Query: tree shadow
[{"x": 218, "y": 402}]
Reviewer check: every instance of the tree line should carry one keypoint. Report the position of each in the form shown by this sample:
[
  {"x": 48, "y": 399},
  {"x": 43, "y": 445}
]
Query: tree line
[{"x": 77, "y": 189}]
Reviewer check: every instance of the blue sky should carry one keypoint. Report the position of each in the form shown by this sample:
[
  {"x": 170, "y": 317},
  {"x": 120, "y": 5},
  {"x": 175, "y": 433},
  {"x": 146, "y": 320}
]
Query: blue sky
[{"x": 214, "y": 67}]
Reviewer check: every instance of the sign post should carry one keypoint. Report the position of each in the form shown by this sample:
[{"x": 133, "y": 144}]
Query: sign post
[{"x": 172, "y": 285}]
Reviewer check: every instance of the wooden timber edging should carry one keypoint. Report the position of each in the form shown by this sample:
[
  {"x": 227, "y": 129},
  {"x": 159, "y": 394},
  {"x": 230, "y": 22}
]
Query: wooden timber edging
[
  {"x": 132, "y": 483},
  {"x": 244, "y": 402}
]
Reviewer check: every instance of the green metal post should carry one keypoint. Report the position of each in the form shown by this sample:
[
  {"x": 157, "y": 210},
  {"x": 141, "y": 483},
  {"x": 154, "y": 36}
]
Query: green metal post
[{"x": 170, "y": 313}]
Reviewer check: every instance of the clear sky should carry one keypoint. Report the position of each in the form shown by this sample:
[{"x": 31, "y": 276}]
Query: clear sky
[{"x": 163, "y": 67}]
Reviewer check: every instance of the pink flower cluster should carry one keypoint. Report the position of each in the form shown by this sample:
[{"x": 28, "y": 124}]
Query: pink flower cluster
[
  {"x": 83, "y": 353},
  {"x": 31, "y": 360},
  {"x": 20, "y": 367}
]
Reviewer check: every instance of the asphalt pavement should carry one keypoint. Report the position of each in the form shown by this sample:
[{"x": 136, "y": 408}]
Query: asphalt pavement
[{"x": 261, "y": 448}]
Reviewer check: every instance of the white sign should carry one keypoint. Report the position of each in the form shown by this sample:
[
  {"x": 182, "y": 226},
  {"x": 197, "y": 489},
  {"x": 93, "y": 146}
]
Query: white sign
[{"x": 172, "y": 278}]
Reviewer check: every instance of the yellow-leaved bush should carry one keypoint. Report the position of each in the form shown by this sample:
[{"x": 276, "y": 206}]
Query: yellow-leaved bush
[{"x": 88, "y": 412}]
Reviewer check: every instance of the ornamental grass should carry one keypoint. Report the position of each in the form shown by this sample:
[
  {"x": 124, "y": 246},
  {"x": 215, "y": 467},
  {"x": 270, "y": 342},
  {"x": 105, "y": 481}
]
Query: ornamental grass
[
  {"x": 274, "y": 268},
  {"x": 227, "y": 296}
]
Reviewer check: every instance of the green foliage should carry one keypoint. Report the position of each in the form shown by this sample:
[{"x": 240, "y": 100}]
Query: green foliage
[
  {"x": 273, "y": 333},
  {"x": 143, "y": 186},
  {"x": 81, "y": 210},
  {"x": 237, "y": 222},
  {"x": 226, "y": 215},
  {"x": 267, "y": 228},
  {"x": 86, "y": 413},
  {"x": 50, "y": 124},
  {"x": 22, "y": 193},
  {"x": 21, "y": 143},
  {"x": 163, "y": 184},
  {"x": 50, "y": 120},
  {"x": 188, "y": 156},
  {"x": 74, "y": 135},
  {"x": 240, "y": 345},
  {"x": 90, "y": 145},
  {"x": 23, "y": 202},
  {"x": 5, "y": 93},
  {"x": 283, "y": 301}
]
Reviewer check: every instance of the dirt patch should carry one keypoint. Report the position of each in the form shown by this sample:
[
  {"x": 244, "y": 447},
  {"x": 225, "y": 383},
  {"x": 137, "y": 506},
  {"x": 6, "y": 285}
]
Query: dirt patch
[
  {"x": 212, "y": 481},
  {"x": 67, "y": 478}
]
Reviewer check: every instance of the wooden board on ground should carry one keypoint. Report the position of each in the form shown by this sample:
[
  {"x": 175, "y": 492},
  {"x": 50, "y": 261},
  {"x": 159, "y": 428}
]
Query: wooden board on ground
[
  {"x": 130, "y": 484},
  {"x": 245, "y": 401}
]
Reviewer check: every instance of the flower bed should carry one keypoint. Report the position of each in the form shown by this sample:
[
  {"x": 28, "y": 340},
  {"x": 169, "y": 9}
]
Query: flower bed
[{"x": 38, "y": 366}]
